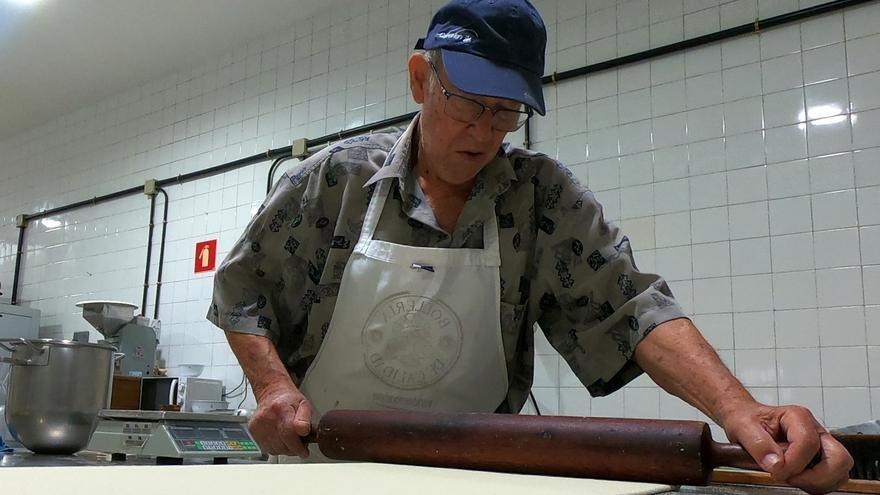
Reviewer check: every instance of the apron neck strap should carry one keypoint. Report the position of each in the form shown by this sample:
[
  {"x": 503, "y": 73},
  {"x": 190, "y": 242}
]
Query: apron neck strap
[
  {"x": 377, "y": 204},
  {"x": 374, "y": 210}
]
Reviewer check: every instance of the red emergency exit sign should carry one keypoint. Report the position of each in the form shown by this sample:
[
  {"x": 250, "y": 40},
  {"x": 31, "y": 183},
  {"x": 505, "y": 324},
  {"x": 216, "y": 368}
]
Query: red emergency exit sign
[{"x": 206, "y": 255}]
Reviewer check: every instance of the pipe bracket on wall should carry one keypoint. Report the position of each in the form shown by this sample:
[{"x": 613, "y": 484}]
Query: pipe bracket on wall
[
  {"x": 151, "y": 187},
  {"x": 300, "y": 148},
  {"x": 21, "y": 221}
]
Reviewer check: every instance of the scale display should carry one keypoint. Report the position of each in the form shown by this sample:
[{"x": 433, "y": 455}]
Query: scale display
[{"x": 193, "y": 436}]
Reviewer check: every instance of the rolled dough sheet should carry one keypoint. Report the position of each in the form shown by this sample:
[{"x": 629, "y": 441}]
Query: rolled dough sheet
[{"x": 270, "y": 479}]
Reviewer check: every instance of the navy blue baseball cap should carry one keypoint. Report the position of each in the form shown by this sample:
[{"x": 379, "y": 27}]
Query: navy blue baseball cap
[{"x": 491, "y": 48}]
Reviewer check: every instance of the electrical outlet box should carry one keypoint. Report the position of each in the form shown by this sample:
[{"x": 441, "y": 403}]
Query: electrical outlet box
[
  {"x": 151, "y": 187},
  {"x": 299, "y": 148}
]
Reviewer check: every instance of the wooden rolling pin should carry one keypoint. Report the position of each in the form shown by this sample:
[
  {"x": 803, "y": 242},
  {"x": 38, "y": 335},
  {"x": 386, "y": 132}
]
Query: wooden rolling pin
[{"x": 658, "y": 451}]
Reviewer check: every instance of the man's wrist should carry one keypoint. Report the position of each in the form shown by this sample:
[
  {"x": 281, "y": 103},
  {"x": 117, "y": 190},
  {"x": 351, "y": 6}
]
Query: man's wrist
[
  {"x": 267, "y": 385},
  {"x": 733, "y": 408}
]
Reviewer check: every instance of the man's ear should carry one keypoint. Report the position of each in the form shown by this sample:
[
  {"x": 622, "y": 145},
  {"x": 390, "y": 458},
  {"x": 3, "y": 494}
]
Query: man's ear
[{"x": 419, "y": 76}]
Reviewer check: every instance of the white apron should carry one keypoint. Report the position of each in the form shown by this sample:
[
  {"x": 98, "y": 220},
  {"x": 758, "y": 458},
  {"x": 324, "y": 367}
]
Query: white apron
[{"x": 413, "y": 328}]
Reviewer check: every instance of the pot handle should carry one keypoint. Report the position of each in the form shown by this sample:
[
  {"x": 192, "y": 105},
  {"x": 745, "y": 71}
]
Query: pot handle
[
  {"x": 17, "y": 362},
  {"x": 32, "y": 345},
  {"x": 21, "y": 362},
  {"x": 118, "y": 355},
  {"x": 4, "y": 343},
  {"x": 5, "y": 346}
]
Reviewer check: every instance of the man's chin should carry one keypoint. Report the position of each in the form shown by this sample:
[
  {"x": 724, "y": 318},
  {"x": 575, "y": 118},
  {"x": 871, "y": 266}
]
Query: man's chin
[
  {"x": 473, "y": 160},
  {"x": 459, "y": 177}
]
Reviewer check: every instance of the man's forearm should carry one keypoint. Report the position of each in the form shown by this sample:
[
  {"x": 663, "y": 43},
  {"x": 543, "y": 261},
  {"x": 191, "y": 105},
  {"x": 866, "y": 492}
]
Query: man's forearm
[
  {"x": 677, "y": 357},
  {"x": 259, "y": 360}
]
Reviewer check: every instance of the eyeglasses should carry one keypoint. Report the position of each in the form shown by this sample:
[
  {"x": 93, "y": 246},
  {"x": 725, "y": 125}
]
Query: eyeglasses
[{"x": 464, "y": 109}]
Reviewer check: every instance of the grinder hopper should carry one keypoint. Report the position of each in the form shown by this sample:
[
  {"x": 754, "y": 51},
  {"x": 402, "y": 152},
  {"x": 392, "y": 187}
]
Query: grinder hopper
[
  {"x": 134, "y": 336},
  {"x": 108, "y": 317}
]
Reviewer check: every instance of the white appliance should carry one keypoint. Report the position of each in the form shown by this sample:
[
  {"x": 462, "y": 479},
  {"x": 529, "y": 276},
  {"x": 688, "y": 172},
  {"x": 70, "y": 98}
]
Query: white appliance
[
  {"x": 15, "y": 322},
  {"x": 160, "y": 391},
  {"x": 191, "y": 389}
]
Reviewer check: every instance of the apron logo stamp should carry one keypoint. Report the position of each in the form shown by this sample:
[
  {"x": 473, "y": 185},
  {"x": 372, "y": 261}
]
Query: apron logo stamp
[{"x": 411, "y": 342}]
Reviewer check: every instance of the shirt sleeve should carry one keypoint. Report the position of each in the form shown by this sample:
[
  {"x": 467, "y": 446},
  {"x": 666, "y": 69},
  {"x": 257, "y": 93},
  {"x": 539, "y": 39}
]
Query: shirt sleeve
[
  {"x": 592, "y": 302},
  {"x": 260, "y": 286}
]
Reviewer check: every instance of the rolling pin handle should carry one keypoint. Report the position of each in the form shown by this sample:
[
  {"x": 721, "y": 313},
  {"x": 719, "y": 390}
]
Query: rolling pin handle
[
  {"x": 312, "y": 437},
  {"x": 733, "y": 455}
]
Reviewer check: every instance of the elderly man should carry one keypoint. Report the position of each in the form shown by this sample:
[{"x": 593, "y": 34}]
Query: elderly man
[{"x": 406, "y": 270}]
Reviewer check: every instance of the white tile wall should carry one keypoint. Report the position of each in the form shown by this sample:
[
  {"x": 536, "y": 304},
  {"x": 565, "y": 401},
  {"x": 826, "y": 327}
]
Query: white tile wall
[{"x": 747, "y": 172}]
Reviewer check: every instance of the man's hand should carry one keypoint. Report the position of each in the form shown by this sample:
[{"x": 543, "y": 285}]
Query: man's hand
[
  {"x": 764, "y": 432},
  {"x": 680, "y": 360},
  {"x": 283, "y": 416}
]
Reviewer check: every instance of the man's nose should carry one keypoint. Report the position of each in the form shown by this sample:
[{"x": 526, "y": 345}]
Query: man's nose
[{"x": 481, "y": 129}]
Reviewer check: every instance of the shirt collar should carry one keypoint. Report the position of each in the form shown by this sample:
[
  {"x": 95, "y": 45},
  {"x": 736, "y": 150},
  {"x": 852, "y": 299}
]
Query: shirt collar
[
  {"x": 493, "y": 180},
  {"x": 496, "y": 177},
  {"x": 397, "y": 162}
]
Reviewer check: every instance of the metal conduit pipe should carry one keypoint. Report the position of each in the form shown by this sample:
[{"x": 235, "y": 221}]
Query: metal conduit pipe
[
  {"x": 180, "y": 179},
  {"x": 754, "y": 27},
  {"x": 225, "y": 167},
  {"x": 161, "y": 255},
  {"x": 87, "y": 202},
  {"x": 18, "y": 257},
  {"x": 271, "y": 176},
  {"x": 149, "y": 254}
]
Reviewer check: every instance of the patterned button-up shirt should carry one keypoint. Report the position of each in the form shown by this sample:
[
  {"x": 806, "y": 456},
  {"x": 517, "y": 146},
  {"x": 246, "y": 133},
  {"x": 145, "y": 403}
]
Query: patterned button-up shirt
[{"x": 562, "y": 265}]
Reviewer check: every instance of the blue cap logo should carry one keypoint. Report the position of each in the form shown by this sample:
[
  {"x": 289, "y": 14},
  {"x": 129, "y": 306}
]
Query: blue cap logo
[{"x": 458, "y": 35}]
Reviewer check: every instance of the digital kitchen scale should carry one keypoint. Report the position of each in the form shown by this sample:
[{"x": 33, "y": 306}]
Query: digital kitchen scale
[{"x": 171, "y": 437}]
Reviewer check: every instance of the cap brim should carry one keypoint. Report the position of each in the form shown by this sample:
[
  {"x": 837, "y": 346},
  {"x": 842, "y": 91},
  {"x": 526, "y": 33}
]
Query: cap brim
[{"x": 480, "y": 76}]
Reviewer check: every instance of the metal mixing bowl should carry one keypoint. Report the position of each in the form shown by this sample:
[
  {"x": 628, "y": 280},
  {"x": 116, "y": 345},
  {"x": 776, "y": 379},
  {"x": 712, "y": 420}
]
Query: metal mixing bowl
[{"x": 56, "y": 388}]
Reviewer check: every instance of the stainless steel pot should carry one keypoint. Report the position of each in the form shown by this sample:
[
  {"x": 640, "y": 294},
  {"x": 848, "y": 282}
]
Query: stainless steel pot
[{"x": 55, "y": 390}]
